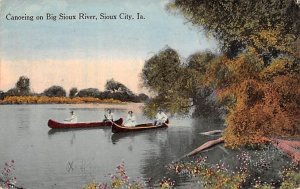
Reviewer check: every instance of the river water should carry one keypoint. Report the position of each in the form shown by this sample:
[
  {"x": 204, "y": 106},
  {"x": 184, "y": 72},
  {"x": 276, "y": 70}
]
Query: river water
[{"x": 47, "y": 158}]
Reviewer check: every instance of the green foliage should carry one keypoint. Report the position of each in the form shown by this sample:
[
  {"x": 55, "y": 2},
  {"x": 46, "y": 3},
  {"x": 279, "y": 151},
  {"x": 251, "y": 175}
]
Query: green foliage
[
  {"x": 291, "y": 180},
  {"x": 73, "y": 92},
  {"x": 194, "y": 75},
  {"x": 178, "y": 85},
  {"x": 55, "y": 91},
  {"x": 117, "y": 90},
  {"x": 2, "y": 95},
  {"x": 173, "y": 104},
  {"x": 115, "y": 86},
  {"x": 23, "y": 85},
  {"x": 257, "y": 78},
  {"x": 114, "y": 90},
  {"x": 269, "y": 26},
  {"x": 162, "y": 74},
  {"x": 89, "y": 92},
  {"x": 160, "y": 71},
  {"x": 12, "y": 92},
  {"x": 210, "y": 176}
]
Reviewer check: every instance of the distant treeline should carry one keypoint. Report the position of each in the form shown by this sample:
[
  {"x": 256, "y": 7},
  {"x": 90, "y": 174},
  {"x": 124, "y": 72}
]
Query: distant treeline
[{"x": 113, "y": 90}]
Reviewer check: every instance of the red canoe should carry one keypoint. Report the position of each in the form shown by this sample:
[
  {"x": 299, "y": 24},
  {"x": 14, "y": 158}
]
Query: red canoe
[
  {"x": 119, "y": 128},
  {"x": 57, "y": 125}
]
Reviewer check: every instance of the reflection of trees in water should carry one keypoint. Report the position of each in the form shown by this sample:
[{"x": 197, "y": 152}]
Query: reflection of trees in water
[
  {"x": 150, "y": 135},
  {"x": 73, "y": 138},
  {"x": 178, "y": 141},
  {"x": 153, "y": 166},
  {"x": 24, "y": 116}
]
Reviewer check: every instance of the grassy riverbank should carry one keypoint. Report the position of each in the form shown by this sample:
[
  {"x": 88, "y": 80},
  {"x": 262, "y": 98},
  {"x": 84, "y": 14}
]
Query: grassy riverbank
[{"x": 54, "y": 100}]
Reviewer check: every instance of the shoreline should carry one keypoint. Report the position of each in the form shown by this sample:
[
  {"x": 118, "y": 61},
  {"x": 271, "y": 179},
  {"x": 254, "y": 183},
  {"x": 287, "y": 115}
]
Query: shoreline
[{"x": 36, "y": 100}]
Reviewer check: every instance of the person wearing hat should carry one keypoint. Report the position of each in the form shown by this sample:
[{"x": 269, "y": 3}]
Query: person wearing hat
[
  {"x": 130, "y": 120},
  {"x": 109, "y": 116},
  {"x": 72, "y": 119},
  {"x": 160, "y": 117}
]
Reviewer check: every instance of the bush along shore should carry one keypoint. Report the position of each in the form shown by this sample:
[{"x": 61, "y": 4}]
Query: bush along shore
[{"x": 54, "y": 100}]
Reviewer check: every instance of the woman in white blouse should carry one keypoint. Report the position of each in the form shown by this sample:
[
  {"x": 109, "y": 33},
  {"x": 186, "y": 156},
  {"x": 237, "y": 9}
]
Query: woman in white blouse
[{"x": 130, "y": 120}]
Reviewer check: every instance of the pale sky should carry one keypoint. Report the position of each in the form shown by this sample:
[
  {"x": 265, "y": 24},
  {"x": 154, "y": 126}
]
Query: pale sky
[{"x": 86, "y": 53}]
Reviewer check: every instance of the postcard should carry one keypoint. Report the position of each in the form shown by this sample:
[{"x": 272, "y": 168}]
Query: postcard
[{"x": 149, "y": 94}]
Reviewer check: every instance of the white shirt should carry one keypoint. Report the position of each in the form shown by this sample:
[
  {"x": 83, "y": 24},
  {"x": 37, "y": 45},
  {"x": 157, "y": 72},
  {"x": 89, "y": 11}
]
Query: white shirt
[
  {"x": 161, "y": 117},
  {"x": 109, "y": 116},
  {"x": 72, "y": 119},
  {"x": 130, "y": 121}
]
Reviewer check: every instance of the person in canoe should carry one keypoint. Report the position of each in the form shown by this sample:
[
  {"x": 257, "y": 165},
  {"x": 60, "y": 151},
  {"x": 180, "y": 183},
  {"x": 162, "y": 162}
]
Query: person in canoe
[
  {"x": 160, "y": 118},
  {"x": 130, "y": 120},
  {"x": 109, "y": 116},
  {"x": 72, "y": 119}
]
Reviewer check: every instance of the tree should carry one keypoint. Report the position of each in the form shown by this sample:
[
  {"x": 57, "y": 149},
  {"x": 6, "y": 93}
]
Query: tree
[
  {"x": 115, "y": 86},
  {"x": 89, "y": 92},
  {"x": 55, "y": 91},
  {"x": 73, "y": 92},
  {"x": 2, "y": 95},
  {"x": 163, "y": 75},
  {"x": 179, "y": 86},
  {"x": 23, "y": 85},
  {"x": 119, "y": 91},
  {"x": 160, "y": 71}
]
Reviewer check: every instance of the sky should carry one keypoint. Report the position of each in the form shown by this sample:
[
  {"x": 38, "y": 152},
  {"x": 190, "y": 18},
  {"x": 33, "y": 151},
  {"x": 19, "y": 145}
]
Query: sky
[{"x": 86, "y": 53}]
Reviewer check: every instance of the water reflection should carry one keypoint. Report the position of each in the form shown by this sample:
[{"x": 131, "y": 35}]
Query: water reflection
[
  {"x": 88, "y": 154},
  {"x": 71, "y": 133},
  {"x": 72, "y": 130},
  {"x": 150, "y": 135},
  {"x": 181, "y": 139},
  {"x": 23, "y": 122}
]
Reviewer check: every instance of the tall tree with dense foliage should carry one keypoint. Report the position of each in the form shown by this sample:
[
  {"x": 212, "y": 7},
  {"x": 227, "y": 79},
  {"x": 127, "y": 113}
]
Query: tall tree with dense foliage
[
  {"x": 23, "y": 85},
  {"x": 159, "y": 74},
  {"x": 179, "y": 85},
  {"x": 73, "y": 92}
]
